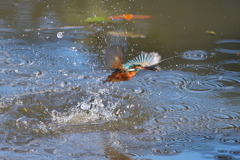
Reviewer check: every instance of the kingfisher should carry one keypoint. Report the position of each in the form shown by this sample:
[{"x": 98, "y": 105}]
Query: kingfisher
[{"x": 124, "y": 72}]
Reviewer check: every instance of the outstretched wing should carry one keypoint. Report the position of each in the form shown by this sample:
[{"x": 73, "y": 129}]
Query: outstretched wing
[
  {"x": 113, "y": 57},
  {"x": 144, "y": 60}
]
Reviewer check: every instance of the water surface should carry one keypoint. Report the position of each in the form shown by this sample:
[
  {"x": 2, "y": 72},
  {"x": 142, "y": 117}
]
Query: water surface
[{"x": 53, "y": 102}]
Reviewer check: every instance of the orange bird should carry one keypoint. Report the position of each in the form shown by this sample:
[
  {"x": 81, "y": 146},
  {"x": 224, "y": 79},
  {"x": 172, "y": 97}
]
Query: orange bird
[
  {"x": 128, "y": 17},
  {"x": 126, "y": 71}
]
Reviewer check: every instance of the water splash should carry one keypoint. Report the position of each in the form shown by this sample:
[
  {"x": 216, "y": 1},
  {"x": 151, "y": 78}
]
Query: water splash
[{"x": 85, "y": 112}]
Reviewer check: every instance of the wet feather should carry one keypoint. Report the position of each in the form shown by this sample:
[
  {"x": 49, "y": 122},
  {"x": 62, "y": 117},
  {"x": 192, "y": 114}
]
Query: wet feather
[
  {"x": 144, "y": 60},
  {"x": 113, "y": 57},
  {"x": 125, "y": 72}
]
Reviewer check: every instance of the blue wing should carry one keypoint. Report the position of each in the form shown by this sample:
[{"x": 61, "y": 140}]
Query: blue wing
[{"x": 143, "y": 60}]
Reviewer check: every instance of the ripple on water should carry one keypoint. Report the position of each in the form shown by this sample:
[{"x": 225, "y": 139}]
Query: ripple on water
[
  {"x": 23, "y": 72},
  {"x": 201, "y": 147},
  {"x": 200, "y": 69},
  {"x": 200, "y": 137},
  {"x": 51, "y": 84},
  {"x": 165, "y": 151},
  {"x": 31, "y": 53},
  {"x": 203, "y": 84},
  {"x": 221, "y": 126},
  {"x": 128, "y": 90},
  {"x": 223, "y": 157},
  {"x": 168, "y": 78},
  {"x": 19, "y": 138},
  {"x": 179, "y": 108},
  {"x": 221, "y": 115},
  {"x": 64, "y": 50},
  {"x": 65, "y": 59},
  {"x": 80, "y": 50},
  {"x": 73, "y": 72},
  {"x": 196, "y": 55},
  {"x": 15, "y": 61},
  {"x": 230, "y": 46},
  {"x": 230, "y": 141},
  {"x": 4, "y": 82},
  {"x": 78, "y": 34},
  {"x": 221, "y": 119},
  {"x": 156, "y": 83},
  {"x": 232, "y": 66},
  {"x": 8, "y": 34},
  {"x": 22, "y": 57}
]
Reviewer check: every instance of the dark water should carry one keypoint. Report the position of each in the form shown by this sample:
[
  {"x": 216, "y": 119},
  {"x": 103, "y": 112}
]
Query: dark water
[{"x": 53, "y": 104}]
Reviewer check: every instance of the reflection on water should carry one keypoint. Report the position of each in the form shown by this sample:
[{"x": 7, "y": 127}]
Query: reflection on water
[{"x": 54, "y": 105}]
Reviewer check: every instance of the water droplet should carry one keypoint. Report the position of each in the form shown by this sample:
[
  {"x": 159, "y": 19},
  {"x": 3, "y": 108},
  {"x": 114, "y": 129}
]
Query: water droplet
[
  {"x": 74, "y": 49},
  {"x": 60, "y": 34}
]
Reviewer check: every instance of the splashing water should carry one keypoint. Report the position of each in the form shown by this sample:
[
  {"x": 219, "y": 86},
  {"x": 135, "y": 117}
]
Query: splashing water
[{"x": 85, "y": 112}]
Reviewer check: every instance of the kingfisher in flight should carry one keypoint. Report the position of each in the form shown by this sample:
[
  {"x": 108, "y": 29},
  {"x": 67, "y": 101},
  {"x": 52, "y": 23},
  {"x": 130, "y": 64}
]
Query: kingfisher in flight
[{"x": 124, "y": 72}]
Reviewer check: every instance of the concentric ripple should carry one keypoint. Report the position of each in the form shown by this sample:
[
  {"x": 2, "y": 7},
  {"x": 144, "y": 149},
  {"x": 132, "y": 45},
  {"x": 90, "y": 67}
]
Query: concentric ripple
[
  {"x": 23, "y": 72},
  {"x": 221, "y": 119},
  {"x": 19, "y": 138},
  {"x": 51, "y": 82},
  {"x": 232, "y": 66},
  {"x": 221, "y": 126},
  {"x": 181, "y": 107},
  {"x": 200, "y": 137},
  {"x": 78, "y": 34},
  {"x": 15, "y": 61},
  {"x": 8, "y": 34},
  {"x": 221, "y": 115},
  {"x": 203, "y": 84},
  {"x": 25, "y": 52},
  {"x": 196, "y": 55},
  {"x": 165, "y": 151},
  {"x": 128, "y": 90},
  {"x": 200, "y": 69},
  {"x": 154, "y": 83},
  {"x": 230, "y": 141},
  {"x": 230, "y": 46},
  {"x": 22, "y": 57},
  {"x": 64, "y": 51},
  {"x": 7, "y": 61}
]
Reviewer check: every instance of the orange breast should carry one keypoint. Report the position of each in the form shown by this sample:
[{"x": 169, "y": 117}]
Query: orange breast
[{"x": 119, "y": 76}]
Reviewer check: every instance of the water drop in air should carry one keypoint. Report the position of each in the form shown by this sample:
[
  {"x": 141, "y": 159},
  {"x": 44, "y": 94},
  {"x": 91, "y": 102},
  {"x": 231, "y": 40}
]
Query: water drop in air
[
  {"x": 60, "y": 34},
  {"x": 73, "y": 48}
]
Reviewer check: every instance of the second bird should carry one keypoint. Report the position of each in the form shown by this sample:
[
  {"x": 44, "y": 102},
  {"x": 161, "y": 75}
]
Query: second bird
[{"x": 126, "y": 71}]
